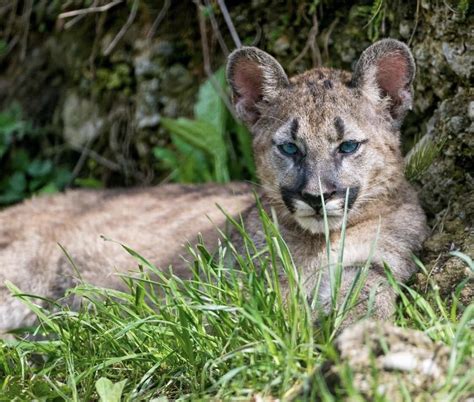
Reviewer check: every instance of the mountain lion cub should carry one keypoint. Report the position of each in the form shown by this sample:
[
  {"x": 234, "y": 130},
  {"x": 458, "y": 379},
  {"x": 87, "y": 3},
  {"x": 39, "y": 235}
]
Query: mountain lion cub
[{"x": 323, "y": 135}]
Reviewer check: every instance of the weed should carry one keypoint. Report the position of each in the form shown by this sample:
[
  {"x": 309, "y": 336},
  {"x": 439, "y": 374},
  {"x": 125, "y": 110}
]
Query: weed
[
  {"x": 420, "y": 158},
  {"x": 374, "y": 14},
  {"x": 25, "y": 171},
  {"x": 213, "y": 146}
]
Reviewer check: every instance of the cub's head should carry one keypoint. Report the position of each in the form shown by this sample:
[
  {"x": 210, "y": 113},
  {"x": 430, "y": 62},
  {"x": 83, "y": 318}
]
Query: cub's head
[{"x": 326, "y": 133}]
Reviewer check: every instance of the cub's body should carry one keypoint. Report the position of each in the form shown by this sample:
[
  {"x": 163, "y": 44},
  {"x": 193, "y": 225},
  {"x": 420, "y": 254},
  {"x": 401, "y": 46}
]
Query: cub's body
[
  {"x": 157, "y": 222},
  {"x": 320, "y": 139}
]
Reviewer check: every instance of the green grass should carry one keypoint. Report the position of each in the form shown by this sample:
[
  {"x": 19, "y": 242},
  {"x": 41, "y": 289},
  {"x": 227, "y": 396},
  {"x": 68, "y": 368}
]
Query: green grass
[
  {"x": 225, "y": 333},
  {"x": 420, "y": 158}
]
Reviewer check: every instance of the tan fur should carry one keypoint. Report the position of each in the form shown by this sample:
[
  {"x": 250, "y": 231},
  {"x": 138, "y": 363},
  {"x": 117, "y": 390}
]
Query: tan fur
[
  {"x": 307, "y": 110},
  {"x": 369, "y": 106},
  {"x": 156, "y": 222}
]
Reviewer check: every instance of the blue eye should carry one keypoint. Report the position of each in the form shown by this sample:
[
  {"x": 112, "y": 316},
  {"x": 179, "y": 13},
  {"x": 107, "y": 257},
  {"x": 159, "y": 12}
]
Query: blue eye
[
  {"x": 288, "y": 148},
  {"x": 348, "y": 147}
]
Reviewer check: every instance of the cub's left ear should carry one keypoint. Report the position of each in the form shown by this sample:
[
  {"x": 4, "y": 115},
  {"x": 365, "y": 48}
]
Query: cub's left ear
[{"x": 385, "y": 71}]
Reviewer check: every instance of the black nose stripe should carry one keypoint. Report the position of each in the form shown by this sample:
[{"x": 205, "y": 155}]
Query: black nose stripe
[
  {"x": 353, "y": 193},
  {"x": 288, "y": 197},
  {"x": 315, "y": 201}
]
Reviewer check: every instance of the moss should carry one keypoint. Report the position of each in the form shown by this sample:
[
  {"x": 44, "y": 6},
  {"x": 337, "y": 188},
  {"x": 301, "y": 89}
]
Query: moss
[{"x": 119, "y": 77}]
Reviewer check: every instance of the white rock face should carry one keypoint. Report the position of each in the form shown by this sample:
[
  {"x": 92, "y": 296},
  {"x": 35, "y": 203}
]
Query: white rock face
[
  {"x": 396, "y": 355},
  {"x": 82, "y": 122}
]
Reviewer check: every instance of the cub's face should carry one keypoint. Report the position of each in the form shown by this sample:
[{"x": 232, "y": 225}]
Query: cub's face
[{"x": 325, "y": 139}]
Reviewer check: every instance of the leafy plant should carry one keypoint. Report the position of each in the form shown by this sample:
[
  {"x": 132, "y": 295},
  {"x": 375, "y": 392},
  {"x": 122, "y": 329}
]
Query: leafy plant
[
  {"x": 108, "y": 391},
  {"x": 420, "y": 158},
  {"x": 463, "y": 7},
  {"x": 375, "y": 15},
  {"x": 210, "y": 147},
  {"x": 24, "y": 171}
]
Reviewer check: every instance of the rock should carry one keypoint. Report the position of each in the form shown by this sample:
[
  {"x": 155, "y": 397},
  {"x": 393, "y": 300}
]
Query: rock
[
  {"x": 81, "y": 119},
  {"x": 176, "y": 80},
  {"x": 460, "y": 58},
  {"x": 382, "y": 355},
  {"x": 455, "y": 124},
  {"x": 470, "y": 112},
  {"x": 405, "y": 28},
  {"x": 152, "y": 58},
  {"x": 447, "y": 195},
  {"x": 146, "y": 113}
]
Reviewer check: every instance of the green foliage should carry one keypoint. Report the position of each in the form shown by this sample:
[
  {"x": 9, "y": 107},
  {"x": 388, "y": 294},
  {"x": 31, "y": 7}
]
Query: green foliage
[
  {"x": 463, "y": 7},
  {"x": 119, "y": 77},
  {"x": 212, "y": 146},
  {"x": 3, "y": 47},
  {"x": 108, "y": 391},
  {"x": 421, "y": 158},
  {"x": 374, "y": 14},
  {"x": 24, "y": 171},
  {"x": 227, "y": 332}
]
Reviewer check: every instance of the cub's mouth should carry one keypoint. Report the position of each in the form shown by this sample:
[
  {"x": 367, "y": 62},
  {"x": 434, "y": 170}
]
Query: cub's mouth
[{"x": 308, "y": 210}]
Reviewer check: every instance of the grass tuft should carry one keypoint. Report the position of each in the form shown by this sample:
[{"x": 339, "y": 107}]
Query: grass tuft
[{"x": 230, "y": 331}]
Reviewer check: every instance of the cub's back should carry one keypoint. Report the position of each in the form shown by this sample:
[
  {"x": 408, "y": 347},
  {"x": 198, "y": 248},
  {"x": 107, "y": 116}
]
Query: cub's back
[{"x": 157, "y": 222}]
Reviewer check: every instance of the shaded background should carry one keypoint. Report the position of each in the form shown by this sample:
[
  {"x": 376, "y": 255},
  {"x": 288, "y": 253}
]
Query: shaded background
[{"x": 103, "y": 93}]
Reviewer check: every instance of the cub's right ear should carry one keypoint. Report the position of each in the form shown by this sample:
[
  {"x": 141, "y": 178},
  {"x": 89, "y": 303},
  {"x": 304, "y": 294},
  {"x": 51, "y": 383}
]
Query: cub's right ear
[{"x": 254, "y": 76}]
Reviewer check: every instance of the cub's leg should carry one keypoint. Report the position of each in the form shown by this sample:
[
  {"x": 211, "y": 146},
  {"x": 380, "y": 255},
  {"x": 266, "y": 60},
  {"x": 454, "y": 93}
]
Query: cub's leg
[{"x": 376, "y": 298}]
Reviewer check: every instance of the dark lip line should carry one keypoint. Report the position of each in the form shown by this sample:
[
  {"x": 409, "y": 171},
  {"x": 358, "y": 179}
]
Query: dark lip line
[{"x": 352, "y": 198}]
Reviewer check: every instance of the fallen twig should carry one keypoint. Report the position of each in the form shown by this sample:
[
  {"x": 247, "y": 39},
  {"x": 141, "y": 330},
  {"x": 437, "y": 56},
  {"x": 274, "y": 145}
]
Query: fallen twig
[
  {"x": 89, "y": 10},
  {"x": 159, "y": 19},
  {"x": 81, "y": 161},
  {"x": 207, "y": 61},
  {"x": 217, "y": 32},
  {"x": 77, "y": 18},
  {"x": 327, "y": 35},
  {"x": 124, "y": 29},
  {"x": 28, "y": 8},
  {"x": 417, "y": 17},
  {"x": 96, "y": 157},
  {"x": 230, "y": 24},
  {"x": 310, "y": 44},
  {"x": 11, "y": 20}
]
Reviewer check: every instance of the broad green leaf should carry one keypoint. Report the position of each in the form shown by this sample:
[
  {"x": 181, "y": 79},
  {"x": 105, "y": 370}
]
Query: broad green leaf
[
  {"x": 167, "y": 157},
  {"x": 209, "y": 106},
  {"x": 88, "y": 182},
  {"x": 19, "y": 160},
  {"x": 204, "y": 136},
  {"x": 62, "y": 177},
  {"x": 17, "y": 182},
  {"x": 39, "y": 168},
  {"x": 194, "y": 164},
  {"x": 245, "y": 146},
  {"x": 108, "y": 391},
  {"x": 10, "y": 197},
  {"x": 50, "y": 188},
  {"x": 199, "y": 134}
]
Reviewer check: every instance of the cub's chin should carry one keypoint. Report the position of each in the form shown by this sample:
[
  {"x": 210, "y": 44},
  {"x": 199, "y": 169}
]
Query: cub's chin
[
  {"x": 313, "y": 221},
  {"x": 315, "y": 224}
]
